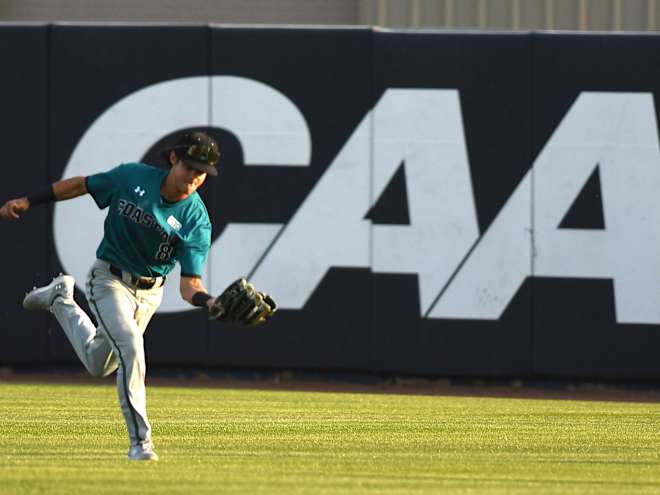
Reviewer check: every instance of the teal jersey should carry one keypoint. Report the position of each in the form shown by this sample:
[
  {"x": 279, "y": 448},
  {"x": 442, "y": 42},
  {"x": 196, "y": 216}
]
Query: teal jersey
[{"x": 143, "y": 233}]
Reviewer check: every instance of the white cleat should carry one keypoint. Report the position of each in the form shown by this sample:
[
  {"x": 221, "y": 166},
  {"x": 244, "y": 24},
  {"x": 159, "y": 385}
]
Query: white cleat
[
  {"x": 43, "y": 297},
  {"x": 142, "y": 453}
]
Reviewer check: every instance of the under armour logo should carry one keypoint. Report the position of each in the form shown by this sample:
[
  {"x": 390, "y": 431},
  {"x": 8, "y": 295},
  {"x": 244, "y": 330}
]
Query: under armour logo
[{"x": 138, "y": 191}]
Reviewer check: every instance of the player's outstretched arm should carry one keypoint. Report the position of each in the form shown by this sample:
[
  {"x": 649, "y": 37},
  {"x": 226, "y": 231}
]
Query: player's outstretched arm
[
  {"x": 192, "y": 290},
  {"x": 189, "y": 286},
  {"x": 59, "y": 191}
]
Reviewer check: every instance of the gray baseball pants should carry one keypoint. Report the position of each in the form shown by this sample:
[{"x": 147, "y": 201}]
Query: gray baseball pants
[{"x": 123, "y": 314}]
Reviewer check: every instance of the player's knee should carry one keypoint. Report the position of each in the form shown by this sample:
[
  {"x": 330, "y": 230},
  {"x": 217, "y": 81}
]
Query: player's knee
[
  {"x": 135, "y": 345},
  {"x": 101, "y": 370},
  {"x": 97, "y": 372},
  {"x": 129, "y": 343}
]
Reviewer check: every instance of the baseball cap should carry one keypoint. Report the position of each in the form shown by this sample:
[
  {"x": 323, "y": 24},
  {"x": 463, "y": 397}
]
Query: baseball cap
[{"x": 199, "y": 151}]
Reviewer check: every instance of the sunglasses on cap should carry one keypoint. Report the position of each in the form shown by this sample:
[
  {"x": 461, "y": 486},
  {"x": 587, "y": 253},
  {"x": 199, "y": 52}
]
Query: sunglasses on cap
[{"x": 207, "y": 153}]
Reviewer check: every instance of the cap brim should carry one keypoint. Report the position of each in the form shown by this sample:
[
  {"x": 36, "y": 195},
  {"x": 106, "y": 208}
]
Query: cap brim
[{"x": 200, "y": 166}]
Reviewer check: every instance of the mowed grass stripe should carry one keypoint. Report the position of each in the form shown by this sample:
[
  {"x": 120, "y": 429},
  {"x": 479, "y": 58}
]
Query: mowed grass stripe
[{"x": 57, "y": 438}]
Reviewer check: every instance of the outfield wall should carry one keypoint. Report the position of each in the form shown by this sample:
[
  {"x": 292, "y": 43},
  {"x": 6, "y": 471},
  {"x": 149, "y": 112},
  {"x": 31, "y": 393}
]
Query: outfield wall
[{"x": 446, "y": 203}]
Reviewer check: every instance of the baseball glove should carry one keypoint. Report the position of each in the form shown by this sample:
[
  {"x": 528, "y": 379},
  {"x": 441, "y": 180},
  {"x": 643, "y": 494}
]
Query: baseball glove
[{"x": 242, "y": 303}]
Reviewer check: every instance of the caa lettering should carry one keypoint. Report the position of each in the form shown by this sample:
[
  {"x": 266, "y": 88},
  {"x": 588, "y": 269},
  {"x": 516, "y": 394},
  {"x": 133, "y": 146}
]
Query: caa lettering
[{"x": 462, "y": 273}]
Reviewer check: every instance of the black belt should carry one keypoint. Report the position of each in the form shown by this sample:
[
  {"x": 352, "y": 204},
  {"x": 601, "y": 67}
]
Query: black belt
[{"x": 142, "y": 283}]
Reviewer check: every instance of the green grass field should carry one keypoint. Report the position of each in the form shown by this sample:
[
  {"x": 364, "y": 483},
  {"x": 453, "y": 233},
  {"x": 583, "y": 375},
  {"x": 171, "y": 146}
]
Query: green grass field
[{"x": 57, "y": 438}]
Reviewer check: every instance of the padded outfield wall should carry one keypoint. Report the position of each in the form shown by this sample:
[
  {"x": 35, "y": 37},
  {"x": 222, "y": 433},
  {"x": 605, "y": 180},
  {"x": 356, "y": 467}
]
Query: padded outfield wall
[{"x": 444, "y": 203}]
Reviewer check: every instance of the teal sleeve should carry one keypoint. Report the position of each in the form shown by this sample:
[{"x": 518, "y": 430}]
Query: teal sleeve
[
  {"x": 102, "y": 186},
  {"x": 193, "y": 254}
]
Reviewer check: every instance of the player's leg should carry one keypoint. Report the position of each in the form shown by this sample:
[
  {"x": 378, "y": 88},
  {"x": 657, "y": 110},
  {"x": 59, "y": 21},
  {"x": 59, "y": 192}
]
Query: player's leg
[
  {"x": 115, "y": 307},
  {"x": 90, "y": 346},
  {"x": 148, "y": 303}
]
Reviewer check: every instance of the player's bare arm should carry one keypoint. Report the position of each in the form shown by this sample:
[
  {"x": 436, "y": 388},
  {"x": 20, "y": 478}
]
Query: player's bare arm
[
  {"x": 189, "y": 286},
  {"x": 69, "y": 188},
  {"x": 59, "y": 191}
]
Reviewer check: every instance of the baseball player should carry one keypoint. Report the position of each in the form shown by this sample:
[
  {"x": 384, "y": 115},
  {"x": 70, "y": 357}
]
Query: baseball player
[{"x": 155, "y": 219}]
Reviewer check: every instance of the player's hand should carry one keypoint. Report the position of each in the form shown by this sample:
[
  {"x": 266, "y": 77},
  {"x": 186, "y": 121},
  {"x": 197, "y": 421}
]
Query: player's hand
[{"x": 13, "y": 208}]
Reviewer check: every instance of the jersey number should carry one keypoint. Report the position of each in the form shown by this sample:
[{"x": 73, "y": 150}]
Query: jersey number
[{"x": 164, "y": 252}]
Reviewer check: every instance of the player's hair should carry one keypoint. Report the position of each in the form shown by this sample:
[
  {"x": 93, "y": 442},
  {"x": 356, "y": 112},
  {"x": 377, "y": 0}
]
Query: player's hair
[{"x": 165, "y": 155}]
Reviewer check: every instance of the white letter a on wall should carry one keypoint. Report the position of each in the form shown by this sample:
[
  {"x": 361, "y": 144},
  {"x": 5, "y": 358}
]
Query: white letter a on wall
[{"x": 617, "y": 132}]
